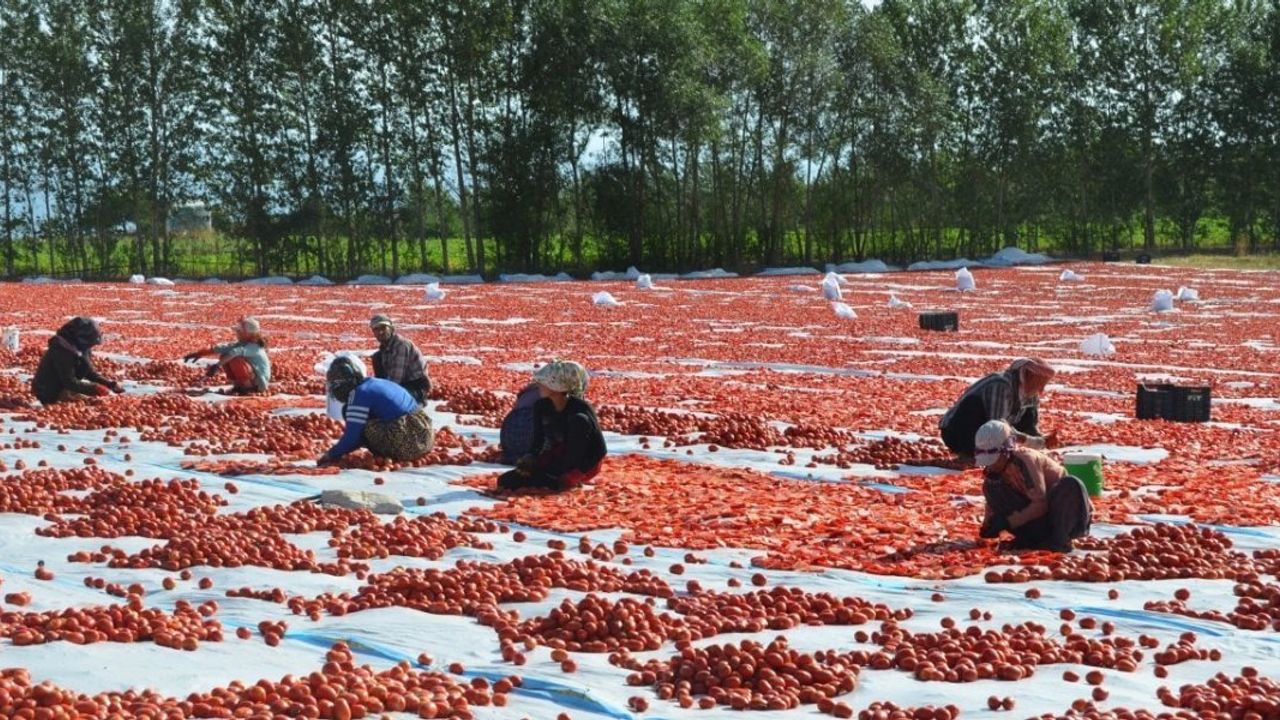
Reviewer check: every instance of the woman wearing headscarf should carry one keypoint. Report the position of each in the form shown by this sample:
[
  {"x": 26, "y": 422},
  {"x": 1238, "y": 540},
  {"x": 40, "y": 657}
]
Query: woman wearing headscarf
[
  {"x": 244, "y": 361},
  {"x": 1028, "y": 493},
  {"x": 567, "y": 446},
  {"x": 380, "y": 415},
  {"x": 66, "y": 371},
  {"x": 1012, "y": 396}
]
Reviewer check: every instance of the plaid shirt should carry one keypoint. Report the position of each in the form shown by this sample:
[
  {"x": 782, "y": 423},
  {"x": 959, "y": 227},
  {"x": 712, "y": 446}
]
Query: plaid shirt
[
  {"x": 399, "y": 361},
  {"x": 999, "y": 395}
]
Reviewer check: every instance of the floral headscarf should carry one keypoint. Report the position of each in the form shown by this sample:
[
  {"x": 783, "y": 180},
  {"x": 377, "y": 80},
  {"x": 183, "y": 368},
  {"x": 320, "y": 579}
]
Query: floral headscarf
[{"x": 563, "y": 376}]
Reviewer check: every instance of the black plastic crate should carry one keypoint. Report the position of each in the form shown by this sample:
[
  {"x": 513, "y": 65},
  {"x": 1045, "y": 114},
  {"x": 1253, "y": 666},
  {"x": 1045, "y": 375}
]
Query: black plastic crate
[
  {"x": 1143, "y": 259},
  {"x": 1110, "y": 256},
  {"x": 1174, "y": 402},
  {"x": 941, "y": 321}
]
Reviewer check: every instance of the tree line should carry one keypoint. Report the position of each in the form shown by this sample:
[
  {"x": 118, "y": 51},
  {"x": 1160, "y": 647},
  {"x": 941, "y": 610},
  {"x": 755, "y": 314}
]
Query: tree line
[{"x": 349, "y": 135}]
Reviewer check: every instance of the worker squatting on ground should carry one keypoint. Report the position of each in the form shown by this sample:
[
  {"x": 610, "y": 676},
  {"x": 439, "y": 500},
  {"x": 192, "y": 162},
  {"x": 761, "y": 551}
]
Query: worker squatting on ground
[
  {"x": 380, "y": 415},
  {"x": 1012, "y": 396},
  {"x": 244, "y": 361},
  {"x": 1029, "y": 493},
  {"x": 568, "y": 446},
  {"x": 66, "y": 370},
  {"x": 399, "y": 360}
]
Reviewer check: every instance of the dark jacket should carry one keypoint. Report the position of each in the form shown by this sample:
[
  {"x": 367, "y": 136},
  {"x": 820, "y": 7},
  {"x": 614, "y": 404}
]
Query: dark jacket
[
  {"x": 68, "y": 363},
  {"x": 568, "y": 440},
  {"x": 516, "y": 437}
]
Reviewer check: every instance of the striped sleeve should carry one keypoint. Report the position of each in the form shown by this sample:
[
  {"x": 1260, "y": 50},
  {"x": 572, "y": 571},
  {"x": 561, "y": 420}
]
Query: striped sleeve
[
  {"x": 357, "y": 416},
  {"x": 997, "y": 398}
]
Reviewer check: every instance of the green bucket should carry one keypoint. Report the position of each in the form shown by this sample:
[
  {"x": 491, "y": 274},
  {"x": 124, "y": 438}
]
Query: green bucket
[{"x": 1088, "y": 468}]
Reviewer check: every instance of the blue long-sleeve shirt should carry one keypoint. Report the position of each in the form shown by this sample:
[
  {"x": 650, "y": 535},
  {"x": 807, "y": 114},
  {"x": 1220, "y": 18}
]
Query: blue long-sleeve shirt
[{"x": 373, "y": 399}]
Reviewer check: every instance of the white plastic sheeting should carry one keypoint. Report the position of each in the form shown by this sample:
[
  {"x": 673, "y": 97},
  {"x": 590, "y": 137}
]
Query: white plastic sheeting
[
  {"x": 831, "y": 288},
  {"x": 371, "y": 280},
  {"x": 1098, "y": 344},
  {"x": 604, "y": 299}
]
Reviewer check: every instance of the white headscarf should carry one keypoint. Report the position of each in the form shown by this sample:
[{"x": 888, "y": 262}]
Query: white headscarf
[
  {"x": 563, "y": 376},
  {"x": 994, "y": 438}
]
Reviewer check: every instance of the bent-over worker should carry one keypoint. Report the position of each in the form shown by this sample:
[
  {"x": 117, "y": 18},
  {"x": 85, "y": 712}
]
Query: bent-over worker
[
  {"x": 66, "y": 370},
  {"x": 379, "y": 415},
  {"x": 1012, "y": 396},
  {"x": 1029, "y": 493}
]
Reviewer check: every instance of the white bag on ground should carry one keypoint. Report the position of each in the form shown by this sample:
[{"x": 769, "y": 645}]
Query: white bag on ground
[
  {"x": 1069, "y": 276},
  {"x": 644, "y": 282},
  {"x": 11, "y": 340},
  {"x": 964, "y": 280},
  {"x": 895, "y": 303},
  {"x": 605, "y": 299},
  {"x": 434, "y": 293},
  {"x": 802, "y": 289},
  {"x": 1162, "y": 301},
  {"x": 831, "y": 288},
  {"x": 137, "y": 280},
  {"x": 1189, "y": 294},
  {"x": 844, "y": 311},
  {"x": 162, "y": 282},
  {"x": 1098, "y": 344}
]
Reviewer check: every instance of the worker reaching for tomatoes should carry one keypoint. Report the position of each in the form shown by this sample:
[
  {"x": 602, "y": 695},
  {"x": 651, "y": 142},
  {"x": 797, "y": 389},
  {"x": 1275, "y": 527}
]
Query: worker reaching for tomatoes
[
  {"x": 567, "y": 447},
  {"x": 379, "y": 414},
  {"x": 1012, "y": 396},
  {"x": 66, "y": 370},
  {"x": 1028, "y": 493},
  {"x": 245, "y": 361}
]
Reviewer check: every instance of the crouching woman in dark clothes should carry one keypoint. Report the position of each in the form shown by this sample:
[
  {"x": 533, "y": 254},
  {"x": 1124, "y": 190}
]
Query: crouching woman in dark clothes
[
  {"x": 1029, "y": 493},
  {"x": 66, "y": 371},
  {"x": 568, "y": 446},
  {"x": 1012, "y": 396}
]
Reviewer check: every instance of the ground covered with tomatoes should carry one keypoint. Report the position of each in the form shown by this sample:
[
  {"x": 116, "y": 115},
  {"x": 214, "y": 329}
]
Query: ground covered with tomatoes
[{"x": 777, "y": 530}]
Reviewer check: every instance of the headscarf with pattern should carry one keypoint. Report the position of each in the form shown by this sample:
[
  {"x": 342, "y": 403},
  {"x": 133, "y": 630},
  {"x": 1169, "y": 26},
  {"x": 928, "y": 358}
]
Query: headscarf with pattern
[{"x": 563, "y": 376}]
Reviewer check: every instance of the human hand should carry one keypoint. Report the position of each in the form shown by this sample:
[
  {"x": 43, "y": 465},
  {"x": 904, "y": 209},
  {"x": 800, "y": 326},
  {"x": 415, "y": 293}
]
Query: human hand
[
  {"x": 993, "y": 527},
  {"x": 116, "y": 387},
  {"x": 101, "y": 390},
  {"x": 1035, "y": 442},
  {"x": 325, "y": 461}
]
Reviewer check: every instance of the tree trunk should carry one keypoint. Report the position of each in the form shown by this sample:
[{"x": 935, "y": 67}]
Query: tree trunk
[{"x": 461, "y": 176}]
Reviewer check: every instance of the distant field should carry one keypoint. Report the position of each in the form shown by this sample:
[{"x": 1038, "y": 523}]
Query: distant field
[{"x": 1266, "y": 261}]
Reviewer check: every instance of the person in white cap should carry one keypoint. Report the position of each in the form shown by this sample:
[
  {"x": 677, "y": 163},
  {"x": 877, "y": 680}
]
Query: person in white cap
[
  {"x": 568, "y": 447},
  {"x": 245, "y": 361},
  {"x": 399, "y": 360},
  {"x": 1028, "y": 493}
]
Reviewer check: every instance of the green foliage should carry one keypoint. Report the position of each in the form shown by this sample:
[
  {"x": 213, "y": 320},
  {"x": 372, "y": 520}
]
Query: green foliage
[{"x": 349, "y": 136}]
